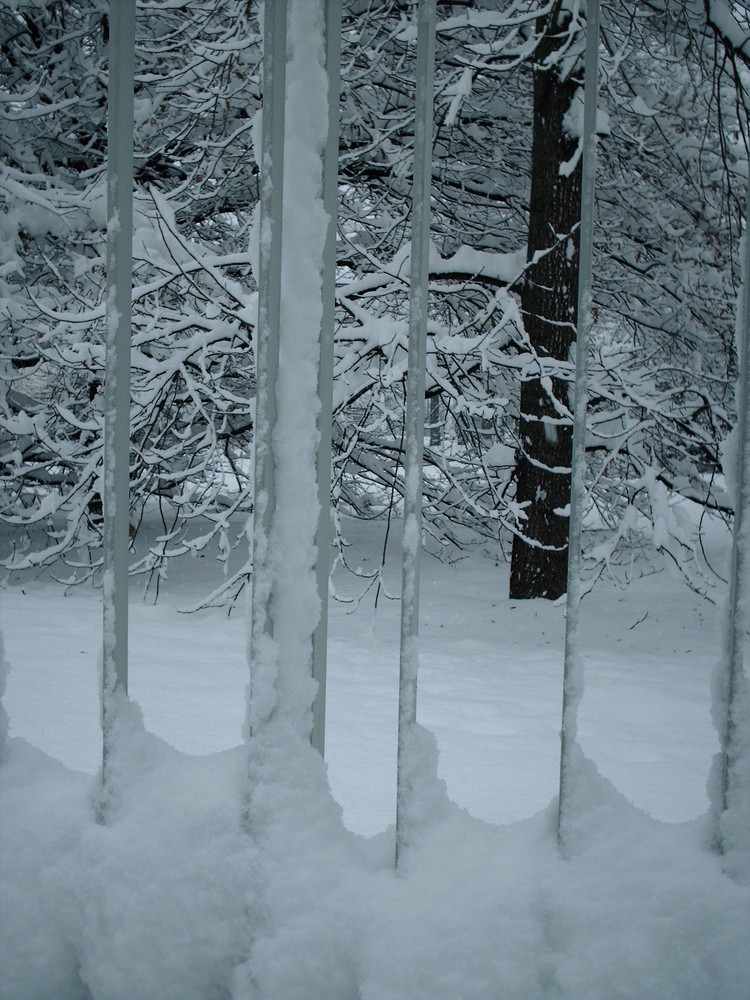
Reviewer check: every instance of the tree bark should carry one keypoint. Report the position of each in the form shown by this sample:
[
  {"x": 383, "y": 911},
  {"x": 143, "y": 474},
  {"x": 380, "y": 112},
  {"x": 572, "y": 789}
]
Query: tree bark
[{"x": 549, "y": 303}]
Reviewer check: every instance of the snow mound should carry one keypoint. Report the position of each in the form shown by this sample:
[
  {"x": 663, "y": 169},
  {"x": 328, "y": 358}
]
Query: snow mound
[{"x": 197, "y": 890}]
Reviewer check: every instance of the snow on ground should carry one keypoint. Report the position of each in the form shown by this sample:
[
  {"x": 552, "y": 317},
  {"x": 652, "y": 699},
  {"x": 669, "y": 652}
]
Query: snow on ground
[
  {"x": 175, "y": 900},
  {"x": 489, "y": 685}
]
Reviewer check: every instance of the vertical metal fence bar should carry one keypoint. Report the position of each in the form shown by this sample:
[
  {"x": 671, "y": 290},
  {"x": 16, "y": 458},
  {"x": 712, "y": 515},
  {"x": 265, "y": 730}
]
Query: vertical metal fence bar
[
  {"x": 414, "y": 434},
  {"x": 116, "y": 483},
  {"x": 730, "y": 744},
  {"x": 325, "y": 370},
  {"x": 573, "y": 666},
  {"x": 269, "y": 311}
]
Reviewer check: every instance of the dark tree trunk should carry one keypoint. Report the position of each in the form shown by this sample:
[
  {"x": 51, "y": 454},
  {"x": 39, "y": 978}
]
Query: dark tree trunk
[{"x": 539, "y": 557}]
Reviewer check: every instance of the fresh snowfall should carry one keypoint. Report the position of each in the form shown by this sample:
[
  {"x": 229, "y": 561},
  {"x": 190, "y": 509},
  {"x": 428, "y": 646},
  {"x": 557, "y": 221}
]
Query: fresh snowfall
[
  {"x": 177, "y": 898},
  {"x": 228, "y": 860}
]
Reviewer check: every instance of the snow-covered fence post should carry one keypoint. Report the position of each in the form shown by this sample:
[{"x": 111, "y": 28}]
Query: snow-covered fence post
[
  {"x": 732, "y": 697},
  {"x": 269, "y": 312},
  {"x": 116, "y": 484},
  {"x": 414, "y": 433},
  {"x": 325, "y": 369},
  {"x": 285, "y": 607},
  {"x": 573, "y": 668}
]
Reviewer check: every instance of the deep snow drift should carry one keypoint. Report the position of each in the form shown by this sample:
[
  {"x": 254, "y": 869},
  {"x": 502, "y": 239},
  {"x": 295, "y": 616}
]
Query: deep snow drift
[
  {"x": 185, "y": 896},
  {"x": 176, "y": 900}
]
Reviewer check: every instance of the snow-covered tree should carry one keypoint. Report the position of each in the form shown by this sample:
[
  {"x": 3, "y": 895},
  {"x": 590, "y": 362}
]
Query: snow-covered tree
[
  {"x": 665, "y": 281},
  {"x": 196, "y": 92},
  {"x": 668, "y": 221},
  {"x": 549, "y": 302}
]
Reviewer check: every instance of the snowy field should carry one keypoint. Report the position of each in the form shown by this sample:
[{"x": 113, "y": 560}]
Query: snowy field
[{"x": 176, "y": 900}]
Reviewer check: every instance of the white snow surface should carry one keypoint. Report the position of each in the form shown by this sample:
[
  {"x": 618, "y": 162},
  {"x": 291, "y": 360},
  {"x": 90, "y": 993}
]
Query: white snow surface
[{"x": 177, "y": 899}]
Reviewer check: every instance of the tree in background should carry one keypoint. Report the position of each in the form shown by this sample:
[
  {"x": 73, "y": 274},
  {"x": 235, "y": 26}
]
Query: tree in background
[
  {"x": 191, "y": 422},
  {"x": 664, "y": 280},
  {"x": 665, "y": 285},
  {"x": 549, "y": 300}
]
